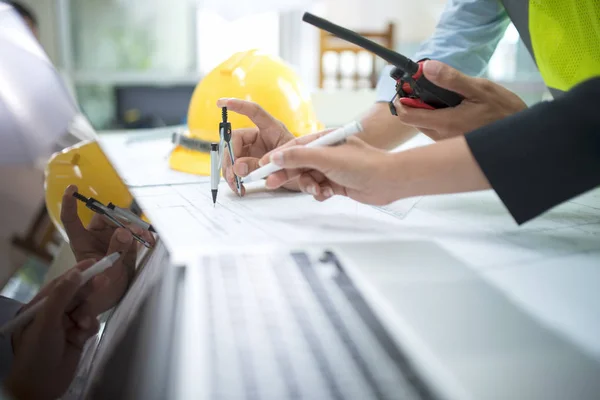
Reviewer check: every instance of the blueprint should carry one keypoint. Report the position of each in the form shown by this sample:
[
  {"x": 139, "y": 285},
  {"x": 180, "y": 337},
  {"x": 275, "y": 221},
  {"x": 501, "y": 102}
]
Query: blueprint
[{"x": 550, "y": 266}]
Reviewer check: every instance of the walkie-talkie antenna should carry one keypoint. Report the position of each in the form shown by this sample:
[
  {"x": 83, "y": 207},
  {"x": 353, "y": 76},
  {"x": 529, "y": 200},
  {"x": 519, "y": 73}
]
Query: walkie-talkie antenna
[{"x": 398, "y": 60}]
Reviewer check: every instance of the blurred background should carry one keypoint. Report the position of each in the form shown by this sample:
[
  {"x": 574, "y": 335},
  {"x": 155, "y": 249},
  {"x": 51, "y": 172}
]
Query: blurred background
[
  {"x": 136, "y": 62},
  {"x": 133, "y": 64}
]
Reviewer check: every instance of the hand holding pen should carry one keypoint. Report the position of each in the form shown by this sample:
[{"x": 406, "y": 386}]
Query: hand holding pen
[
  {"x": 99, "y": 239},
  {"x": 110, "y": 214},
  {"x": 352, "y": 168},
  {"x": 24, "y": 317},
  {"x": 250, "y": 144}
]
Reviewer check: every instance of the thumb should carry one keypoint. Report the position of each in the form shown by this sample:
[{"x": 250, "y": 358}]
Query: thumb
[
  {"x": 449, "y": 78},
  {"x": 303, "y": 157},
  {"x": 120, "y": 241},
  {"x": 244, "y": 165}
]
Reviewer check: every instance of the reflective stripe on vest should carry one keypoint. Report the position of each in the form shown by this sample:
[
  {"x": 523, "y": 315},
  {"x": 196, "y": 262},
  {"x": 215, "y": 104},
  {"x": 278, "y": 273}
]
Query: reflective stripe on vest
[{"x": 563, "y": 37}]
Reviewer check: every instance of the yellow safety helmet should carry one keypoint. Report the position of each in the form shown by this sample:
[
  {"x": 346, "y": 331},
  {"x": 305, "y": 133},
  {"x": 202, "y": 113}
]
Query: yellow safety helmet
[
  {"x": 250, "y": 75},
  {"x": 86, "y": 166}
]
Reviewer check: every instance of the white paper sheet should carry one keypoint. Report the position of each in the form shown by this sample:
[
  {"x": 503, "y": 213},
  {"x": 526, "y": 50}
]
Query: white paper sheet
[
  {"x": 143, "y": 159},
  {"x": 188, "y": 220}
]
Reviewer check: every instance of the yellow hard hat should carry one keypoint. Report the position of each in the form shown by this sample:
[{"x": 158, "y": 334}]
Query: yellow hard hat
[
  {"x": 250, "y": 75},
  {"x": 86, "y": 166}
]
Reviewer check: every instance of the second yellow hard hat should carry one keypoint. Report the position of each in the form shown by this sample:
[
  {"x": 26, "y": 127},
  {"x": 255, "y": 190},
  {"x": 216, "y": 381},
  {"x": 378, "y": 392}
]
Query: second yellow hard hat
[
  {"x": 86, "y": 166},
  {"x": 254, "y": 76}
]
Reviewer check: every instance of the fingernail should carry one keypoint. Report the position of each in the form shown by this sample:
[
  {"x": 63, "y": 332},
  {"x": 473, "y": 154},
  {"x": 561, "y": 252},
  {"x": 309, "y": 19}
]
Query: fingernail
[
  {"x": 312, "y": 190},
  {"x": 432, "y": 68},
  {"x": 328, "y": 192},
  {"x": 123, "y": 236},
  {"x": 269, "y": 184},
  {"x": 277, "y": 158},
  {"x": 85, "y": 323},
  {"x": 242, "y": 169},
  {"x": 261, "y": 163}
]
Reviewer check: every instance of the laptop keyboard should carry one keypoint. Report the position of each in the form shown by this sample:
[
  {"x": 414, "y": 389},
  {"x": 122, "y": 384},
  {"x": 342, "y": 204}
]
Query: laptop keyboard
[{"x": 283, "y": 327}]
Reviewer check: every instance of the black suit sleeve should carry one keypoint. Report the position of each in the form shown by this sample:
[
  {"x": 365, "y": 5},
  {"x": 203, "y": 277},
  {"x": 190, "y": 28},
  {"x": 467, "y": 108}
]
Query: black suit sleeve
[{"x": 545, "y": 155}]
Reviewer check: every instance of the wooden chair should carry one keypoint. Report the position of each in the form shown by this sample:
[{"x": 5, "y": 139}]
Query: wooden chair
[{"x": 347, "y": 66}]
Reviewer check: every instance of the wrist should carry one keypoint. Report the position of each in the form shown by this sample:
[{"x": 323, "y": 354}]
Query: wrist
[
  {"x": 440, "y": 168},
  {"x": 401, "y": 174}
]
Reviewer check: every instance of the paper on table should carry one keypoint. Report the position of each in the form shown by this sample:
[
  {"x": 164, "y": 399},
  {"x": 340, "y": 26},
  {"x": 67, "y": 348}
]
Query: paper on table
[
  {"x": 186, "y": 218},
  {"x": 143, "y": 159}
]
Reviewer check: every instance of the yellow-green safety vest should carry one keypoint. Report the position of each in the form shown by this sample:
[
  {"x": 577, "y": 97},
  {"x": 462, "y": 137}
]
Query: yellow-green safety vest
[{"x": 562, "y": 36}]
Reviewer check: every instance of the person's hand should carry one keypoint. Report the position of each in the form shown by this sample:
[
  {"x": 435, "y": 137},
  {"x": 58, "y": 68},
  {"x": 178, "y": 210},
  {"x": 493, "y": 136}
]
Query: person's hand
[
  {"x": 100, "y": 239},
  {"x": 250, "y": 144},
  {"x": 85, "y": 315},
  {"x": 484, "y": 102},
  {"x": 49, "y": 348},
  {"x": 354, "y": 169}
]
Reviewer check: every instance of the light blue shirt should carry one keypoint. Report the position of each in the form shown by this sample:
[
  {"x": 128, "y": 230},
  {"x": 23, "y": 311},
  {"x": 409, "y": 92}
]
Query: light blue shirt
[{"x": 465, "y": 38}]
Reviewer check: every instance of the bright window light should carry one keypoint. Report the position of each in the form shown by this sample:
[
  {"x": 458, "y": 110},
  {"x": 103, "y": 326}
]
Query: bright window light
[{"x": 218, "y": 38}]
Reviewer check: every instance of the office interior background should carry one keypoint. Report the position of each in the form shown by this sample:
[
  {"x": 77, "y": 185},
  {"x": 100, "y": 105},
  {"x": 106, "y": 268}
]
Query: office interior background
[{"x": 133, "y": 64}]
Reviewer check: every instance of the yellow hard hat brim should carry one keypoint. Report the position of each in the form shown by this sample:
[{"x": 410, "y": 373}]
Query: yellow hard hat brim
[
  {"x": 190, "y": 161},
  {"x": 86, "y": 166}
]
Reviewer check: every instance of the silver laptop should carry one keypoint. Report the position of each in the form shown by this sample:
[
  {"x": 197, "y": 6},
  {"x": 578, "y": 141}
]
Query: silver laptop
[{"x": 398, "y": 320}]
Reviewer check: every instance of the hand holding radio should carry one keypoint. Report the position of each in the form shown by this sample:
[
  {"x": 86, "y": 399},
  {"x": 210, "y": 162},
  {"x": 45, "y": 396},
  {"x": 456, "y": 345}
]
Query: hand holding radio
[
  {"x": 433, "y": 97},
  {"x": 484, "y": 102},
  {"x": 410, "y": 80}
]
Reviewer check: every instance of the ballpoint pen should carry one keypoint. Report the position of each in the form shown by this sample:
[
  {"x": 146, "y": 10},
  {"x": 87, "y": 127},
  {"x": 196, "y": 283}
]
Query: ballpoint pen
[
  {"x": 101, "y": 209},
  {"x": 328, "y": 139},
  {"x": 225, "y": 131},
  {"x": 214, "y": 171},
  {"x": 26, "y": 316},
  {"x": 130, "y": 217}
]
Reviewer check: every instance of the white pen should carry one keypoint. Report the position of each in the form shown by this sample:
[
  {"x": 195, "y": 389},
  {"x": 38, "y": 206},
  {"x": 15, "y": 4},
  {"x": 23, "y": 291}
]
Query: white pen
[
  {"x": 26, "y": 316},
  {"x": 334, "y": 137}
]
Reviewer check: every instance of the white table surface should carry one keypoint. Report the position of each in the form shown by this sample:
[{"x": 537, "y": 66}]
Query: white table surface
[{"x": 550, "y": 266}]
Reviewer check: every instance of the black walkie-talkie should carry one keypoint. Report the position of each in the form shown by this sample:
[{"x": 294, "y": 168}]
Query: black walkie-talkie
[{"x": 410, "y": 80}]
